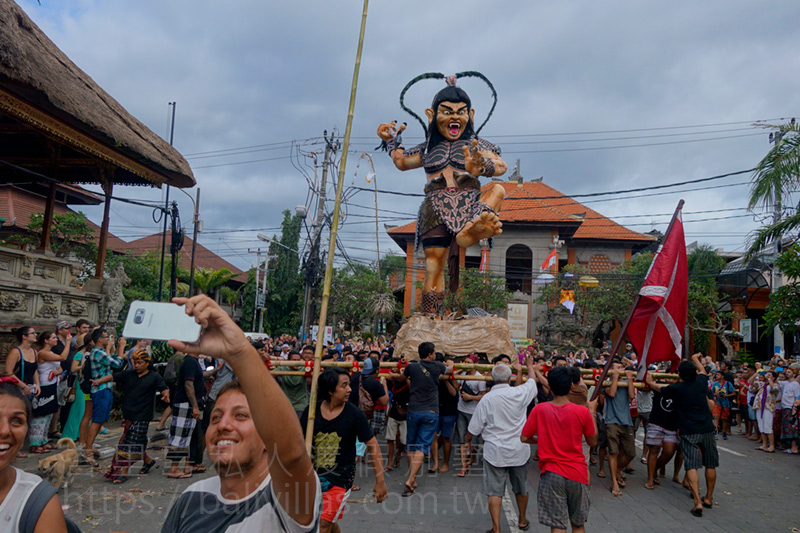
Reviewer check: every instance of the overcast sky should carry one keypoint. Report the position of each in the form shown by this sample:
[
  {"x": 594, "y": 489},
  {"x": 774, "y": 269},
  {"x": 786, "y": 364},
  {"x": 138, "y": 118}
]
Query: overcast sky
[{"x": 593, "y": 96}]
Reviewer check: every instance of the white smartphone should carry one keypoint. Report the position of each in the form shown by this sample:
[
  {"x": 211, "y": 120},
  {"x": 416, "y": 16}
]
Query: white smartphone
[{"x": 160, "y": 321}]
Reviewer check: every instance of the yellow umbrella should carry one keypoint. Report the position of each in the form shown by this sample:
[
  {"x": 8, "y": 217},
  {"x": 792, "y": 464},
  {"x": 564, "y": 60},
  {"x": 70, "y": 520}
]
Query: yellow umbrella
[{"x": 588, "y": 281}]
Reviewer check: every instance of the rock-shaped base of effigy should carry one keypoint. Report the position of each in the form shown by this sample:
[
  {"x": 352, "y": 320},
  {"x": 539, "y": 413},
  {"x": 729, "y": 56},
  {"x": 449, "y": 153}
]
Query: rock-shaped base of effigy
[{"x": 457, "y": 338}]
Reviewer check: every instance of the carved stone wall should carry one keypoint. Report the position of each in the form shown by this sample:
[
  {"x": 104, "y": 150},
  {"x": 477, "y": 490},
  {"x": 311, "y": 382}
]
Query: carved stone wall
[{"x": 40, "y": 290}]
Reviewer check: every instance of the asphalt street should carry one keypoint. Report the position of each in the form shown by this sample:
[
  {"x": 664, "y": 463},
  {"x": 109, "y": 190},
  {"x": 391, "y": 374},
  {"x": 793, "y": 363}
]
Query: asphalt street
[{"x": 756, "y": 492}]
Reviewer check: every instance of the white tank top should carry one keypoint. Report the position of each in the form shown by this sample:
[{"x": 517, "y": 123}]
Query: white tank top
[
  {"x": 49, "y": 372},
  {"x": 12, "y": 506}
]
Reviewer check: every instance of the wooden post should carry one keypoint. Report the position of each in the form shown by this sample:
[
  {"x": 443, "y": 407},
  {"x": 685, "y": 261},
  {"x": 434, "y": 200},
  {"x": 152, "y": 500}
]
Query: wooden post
[
  {"x": 108, "y": 187},
  {"x": 47, "y": 223}
]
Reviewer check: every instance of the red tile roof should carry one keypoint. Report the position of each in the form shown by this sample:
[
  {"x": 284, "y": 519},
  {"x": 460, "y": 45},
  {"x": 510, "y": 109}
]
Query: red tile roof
[
  {"x": 535, "y": 202},
  {"x": 204, "y": 258},
  {"x": 17, "y": 206}
]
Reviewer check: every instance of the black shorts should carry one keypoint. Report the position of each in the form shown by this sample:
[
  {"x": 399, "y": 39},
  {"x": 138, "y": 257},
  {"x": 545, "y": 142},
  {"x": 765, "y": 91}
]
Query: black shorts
[{"x": 699, "y": 450}]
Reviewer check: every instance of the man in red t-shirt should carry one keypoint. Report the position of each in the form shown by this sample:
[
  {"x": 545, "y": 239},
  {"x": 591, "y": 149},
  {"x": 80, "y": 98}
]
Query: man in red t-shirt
[{"x": 558, "y": 427}]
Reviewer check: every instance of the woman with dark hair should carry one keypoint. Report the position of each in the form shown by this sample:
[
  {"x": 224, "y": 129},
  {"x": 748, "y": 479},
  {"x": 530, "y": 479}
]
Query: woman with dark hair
[
  {"x": 455, "y": 212},
  {"x": 46, "y": 403},
  {"x": 17, "y": 486},
  {"x": 21, "y": 360},
  {"x": 337, "y": 425}
]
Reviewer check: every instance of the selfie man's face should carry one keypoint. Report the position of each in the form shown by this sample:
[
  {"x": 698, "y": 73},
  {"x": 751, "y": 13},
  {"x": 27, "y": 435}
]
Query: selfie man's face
[{"x": 232, "y": 440}]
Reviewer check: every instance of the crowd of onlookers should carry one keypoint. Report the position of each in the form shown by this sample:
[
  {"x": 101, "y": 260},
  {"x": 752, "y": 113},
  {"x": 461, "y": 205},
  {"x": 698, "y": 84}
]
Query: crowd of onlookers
[{"x": 64, "y": 378}]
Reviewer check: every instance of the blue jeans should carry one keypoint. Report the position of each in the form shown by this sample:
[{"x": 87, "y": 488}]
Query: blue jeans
[{"x": 421, "y": 426}]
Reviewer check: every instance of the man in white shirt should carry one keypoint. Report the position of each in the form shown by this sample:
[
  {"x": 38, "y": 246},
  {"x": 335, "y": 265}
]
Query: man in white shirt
[{"x": 499, "y": 419}]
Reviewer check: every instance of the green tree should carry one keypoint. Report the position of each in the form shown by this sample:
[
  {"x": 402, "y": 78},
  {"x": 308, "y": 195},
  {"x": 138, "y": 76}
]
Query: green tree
[
  {"x": 284, "y": 281},
  {"x": 208, "y": 280},
  {"x": 783, "y": 309},
  {"x": 71, "y": 237},
  {"x": 705, "y": 302},
  {"x": 775, "y": 178},
  {"x": 353, "y": 295},
  {"x": 476, "y": 289},
  {"x": 610, "y": 300},
  {"x": 230, "y": 297},
  {"x": 248, "y": 301}
]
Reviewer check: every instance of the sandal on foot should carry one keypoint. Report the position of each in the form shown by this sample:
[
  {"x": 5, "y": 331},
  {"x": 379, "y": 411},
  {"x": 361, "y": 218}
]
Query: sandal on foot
[
  {"x": 409, "y": 490},
  {"x": 616, "y": 492},
  {"x": 525, "y": 527},
  {"x": 463, "y": 473},
  {"x": 697, "y": 512},
  {"x": 147, "y": 467},
  {"x": 706, "y": 505},
  {"x": 601, "y": 474},
  {"x": 119, "y": 480},
  {"x": 182, "y": 475}
]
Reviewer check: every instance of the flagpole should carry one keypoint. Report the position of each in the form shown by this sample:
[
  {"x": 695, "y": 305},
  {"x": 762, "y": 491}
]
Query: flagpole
[{"x": 627, "y": 322}]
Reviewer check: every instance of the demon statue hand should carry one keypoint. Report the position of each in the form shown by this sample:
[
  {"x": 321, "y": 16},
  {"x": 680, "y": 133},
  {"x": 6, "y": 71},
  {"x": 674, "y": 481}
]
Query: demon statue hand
[{"x": 456, "y": 211}]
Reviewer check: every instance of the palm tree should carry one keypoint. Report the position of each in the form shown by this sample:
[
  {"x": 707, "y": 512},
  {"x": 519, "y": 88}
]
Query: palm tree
[
  {"x": 774, "y": 179},
  {"x": 207, "y": 279},
  {"x": 230, "y": 297}
]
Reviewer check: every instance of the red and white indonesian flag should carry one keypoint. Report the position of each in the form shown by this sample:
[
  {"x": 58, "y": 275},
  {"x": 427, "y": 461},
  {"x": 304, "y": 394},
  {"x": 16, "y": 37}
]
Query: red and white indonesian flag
[
  {"x": 550, "y": 260},
  {"x": 657, "y": 324}
]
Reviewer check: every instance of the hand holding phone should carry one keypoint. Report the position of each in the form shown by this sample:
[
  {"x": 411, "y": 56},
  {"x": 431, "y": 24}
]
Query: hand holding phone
[{"x": 160, "y": 321}]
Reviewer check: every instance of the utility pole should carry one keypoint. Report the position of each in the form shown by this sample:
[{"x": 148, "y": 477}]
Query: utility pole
[
  {"x": 194, "y": 241},
  {"x": 257, "y": 303},
  {"x": 313, "y": 262},
  {"x": 166, "y": 209},
  {"x": 175, "y": 245}
]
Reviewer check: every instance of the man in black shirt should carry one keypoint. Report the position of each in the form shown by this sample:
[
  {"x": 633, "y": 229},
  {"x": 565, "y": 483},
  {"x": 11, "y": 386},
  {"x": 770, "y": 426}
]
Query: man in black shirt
[
  {"x": 140, "y": 386},
  {"x": 696, "y": 429},
  {"x": 337, "y": 425},
  {"x": 661, "y": 434},
  {"x": 423, "y": 409},
  {"x": 185, "y": 436}
]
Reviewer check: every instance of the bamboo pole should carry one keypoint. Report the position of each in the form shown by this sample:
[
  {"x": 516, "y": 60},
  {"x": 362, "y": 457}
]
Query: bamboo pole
[
  {"x": 458, "y": 366},
  {"x": 476, "y": 377},
  {"x": 326, "y": 288}
]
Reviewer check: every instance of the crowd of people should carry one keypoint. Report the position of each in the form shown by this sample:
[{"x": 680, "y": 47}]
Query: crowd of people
[{"x": 60, "y": 385}]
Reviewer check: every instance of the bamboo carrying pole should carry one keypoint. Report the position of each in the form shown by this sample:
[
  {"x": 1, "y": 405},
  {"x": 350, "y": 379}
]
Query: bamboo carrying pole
[
  {"x": 326, "y": 288},
  {"x": 457, "y": 366},
  {"x": 476, "y": 377}
]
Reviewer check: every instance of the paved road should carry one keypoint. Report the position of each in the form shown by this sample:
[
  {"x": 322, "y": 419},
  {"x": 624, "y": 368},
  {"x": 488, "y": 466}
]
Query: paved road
[{"x": 756, "y": 492}]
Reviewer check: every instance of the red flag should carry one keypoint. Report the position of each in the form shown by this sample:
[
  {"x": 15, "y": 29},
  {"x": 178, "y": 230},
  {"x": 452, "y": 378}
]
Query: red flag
[
  {"x": 550, "y": 260},
  {"x": 657, "y": 324}
]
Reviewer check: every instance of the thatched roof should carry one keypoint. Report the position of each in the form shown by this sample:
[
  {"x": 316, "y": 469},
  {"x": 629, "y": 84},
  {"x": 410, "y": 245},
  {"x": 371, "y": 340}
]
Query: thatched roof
[{"x": 35, "y": 71}]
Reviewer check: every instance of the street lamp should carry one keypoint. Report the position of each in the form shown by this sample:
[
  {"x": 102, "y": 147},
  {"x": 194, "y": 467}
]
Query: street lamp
[{"x": 262, "y": 237}]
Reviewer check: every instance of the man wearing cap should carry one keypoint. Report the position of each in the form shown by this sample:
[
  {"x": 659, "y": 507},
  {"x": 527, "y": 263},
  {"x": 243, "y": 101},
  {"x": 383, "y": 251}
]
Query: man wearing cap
[
  {"x": 630, "y": 354},
  {"x": 140, "y": 386}
]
